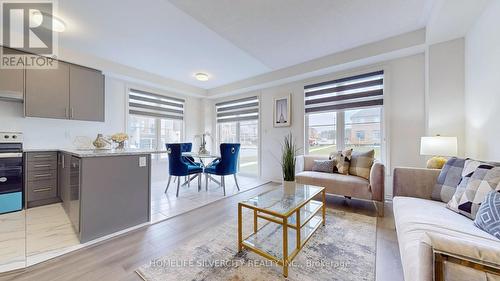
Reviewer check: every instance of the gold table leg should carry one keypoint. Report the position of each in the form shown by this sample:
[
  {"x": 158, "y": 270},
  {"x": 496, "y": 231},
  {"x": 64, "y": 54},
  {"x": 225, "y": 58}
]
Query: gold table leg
[
  {"x": 297, "y": 218},
  {"x": 285, "y": 247},
  {"x": 324, "y": 207},
  {"x": 240, "y": 230},
  {"x": 255, "y": 224}
]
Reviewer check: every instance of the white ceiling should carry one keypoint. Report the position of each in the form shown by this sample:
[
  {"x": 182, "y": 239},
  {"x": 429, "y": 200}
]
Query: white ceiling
[
  {"x": 231, "y": 40},
  {"x": 153, "y": 36},
  {"x": 281, "y": 33}
]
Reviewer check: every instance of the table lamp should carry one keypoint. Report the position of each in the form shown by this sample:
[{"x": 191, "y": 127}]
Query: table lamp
[{"x": 438, "y": 147}]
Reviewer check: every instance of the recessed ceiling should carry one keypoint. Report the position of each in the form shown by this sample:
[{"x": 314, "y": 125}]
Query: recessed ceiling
[
  {"x": 230, "y": 40},
  {"x": 154, "y": 36},
  {"x": 281, "y": 33}
]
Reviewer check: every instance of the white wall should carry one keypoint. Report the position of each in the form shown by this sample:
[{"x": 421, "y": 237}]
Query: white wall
[
  {"x": 404, "y": 112},
  {"x": 53, "y": 133},
  {"x": 482, "y": 98},
  {"x": 446, "y": 104}
]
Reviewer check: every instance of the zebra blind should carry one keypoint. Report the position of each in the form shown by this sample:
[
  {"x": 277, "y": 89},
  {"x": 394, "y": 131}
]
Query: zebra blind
[
  {"x": 153, "y": 105},
  {"x": 365, "y": 90},
  {"x": 238, "y": 110}
]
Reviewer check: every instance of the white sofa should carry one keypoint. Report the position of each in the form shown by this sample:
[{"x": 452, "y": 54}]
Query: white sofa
[{"x": 434, "y": 241}]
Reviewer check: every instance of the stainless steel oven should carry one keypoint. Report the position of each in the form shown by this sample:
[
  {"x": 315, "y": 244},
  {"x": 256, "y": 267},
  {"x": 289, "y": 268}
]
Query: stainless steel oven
[{"x": 11, "y": 172}]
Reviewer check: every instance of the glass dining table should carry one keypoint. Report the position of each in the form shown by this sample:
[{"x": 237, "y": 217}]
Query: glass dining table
[{"x": 206, "y": 159}]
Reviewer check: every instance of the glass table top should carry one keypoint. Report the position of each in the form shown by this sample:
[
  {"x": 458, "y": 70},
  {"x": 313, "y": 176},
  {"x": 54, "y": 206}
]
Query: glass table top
[{"x": 282, "y": 201}]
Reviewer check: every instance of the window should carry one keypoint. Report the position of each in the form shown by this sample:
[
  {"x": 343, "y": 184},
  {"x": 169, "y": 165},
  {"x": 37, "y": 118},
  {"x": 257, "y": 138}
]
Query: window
[
  {"x": 345, "y": 113},
  {"x": 154, "y": 120},
  {"x": 238, "y": 122}
]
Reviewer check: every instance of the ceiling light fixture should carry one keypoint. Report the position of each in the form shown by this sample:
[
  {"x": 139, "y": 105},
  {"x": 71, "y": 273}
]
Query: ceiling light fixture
[
  {"x": 201, "y": 76},
  {"x": 58, "y": 25}
]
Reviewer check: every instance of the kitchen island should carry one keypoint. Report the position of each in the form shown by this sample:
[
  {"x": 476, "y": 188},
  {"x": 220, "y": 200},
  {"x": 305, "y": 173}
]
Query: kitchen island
[{"x": 102, "y": 191}]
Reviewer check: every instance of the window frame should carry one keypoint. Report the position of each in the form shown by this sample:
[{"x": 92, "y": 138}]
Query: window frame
[
  {"x": 238, "y": 140},
  {"x": 340, "y": 134},
  {"x": 130, "y": 88}
]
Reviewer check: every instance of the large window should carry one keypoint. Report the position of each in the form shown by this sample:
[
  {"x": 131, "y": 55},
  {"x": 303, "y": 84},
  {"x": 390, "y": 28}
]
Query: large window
[
  {"x": 345, "y": 113},
  {"x": 237, "y": 122},
  {"x": 154, "y": 120},
  {"x": 360, "y": 129}
]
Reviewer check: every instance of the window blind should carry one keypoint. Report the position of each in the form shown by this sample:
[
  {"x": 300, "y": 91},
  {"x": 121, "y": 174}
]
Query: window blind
[
  {"x": 238, "y": 110},
  {"x": 365, "y": 90},
  {"x": 153, "y": 105}
]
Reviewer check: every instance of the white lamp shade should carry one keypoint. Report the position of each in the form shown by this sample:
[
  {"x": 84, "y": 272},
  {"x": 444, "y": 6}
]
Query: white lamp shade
[{"x": 439, "y": 146}]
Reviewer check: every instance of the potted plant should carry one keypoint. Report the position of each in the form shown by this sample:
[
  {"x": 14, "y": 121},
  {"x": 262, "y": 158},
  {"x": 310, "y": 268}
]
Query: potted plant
[{"x": 288, "y": 152}]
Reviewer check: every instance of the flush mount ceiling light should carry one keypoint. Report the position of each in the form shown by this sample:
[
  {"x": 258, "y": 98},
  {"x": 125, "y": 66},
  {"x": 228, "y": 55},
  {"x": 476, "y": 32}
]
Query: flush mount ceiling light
[
  {"x": 201, "y": 76},
  {"x": 58, "y": 25}
]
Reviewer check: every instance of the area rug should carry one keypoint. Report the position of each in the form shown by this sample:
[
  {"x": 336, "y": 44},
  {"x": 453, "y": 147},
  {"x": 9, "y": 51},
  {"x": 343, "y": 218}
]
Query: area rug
[{"x": 344, "y": 250}]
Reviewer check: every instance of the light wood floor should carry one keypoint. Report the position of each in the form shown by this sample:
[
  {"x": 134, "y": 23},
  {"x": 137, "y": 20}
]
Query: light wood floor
[{"x": 117, "y": 259}]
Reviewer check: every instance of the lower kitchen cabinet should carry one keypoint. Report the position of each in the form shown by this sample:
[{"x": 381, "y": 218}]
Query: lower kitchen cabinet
[
  {"x": 41, "y": 178},
  {"x": 69, "y": 186}
]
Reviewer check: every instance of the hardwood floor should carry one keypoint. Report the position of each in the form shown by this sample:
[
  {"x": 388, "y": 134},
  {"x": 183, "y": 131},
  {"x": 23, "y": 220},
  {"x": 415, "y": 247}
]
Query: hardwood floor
[{"x": 116, "y": 259}]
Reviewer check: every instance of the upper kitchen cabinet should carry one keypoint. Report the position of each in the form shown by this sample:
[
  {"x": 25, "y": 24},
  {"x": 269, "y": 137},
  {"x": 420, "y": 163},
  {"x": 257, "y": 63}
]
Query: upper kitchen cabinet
[
  {"x": 67, "y": 92},
  {"x": 12, "y": 84},
  {"x": 86, "y": 94},
  {"x": 47, "y": 92}
]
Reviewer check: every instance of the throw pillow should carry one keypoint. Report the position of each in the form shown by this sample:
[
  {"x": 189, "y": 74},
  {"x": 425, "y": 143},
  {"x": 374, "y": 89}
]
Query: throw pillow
[
  {"x": 448, "y": 180},
  {"x": 488, "y": 215},
  {"x": 484, "y": 179},
  {"x": 343, "y": 159},
  {"x": 469, "y": 167},
  {"x": 361, "y": 163},
  {"x": 325, "y": 166}
]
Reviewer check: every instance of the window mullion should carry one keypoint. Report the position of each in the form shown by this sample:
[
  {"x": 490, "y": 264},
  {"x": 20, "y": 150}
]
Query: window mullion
[{"x": 340, "y": 130}]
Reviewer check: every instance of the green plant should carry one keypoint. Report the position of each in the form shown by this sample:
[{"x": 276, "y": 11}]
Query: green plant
[{"x": 288, "y": 152}]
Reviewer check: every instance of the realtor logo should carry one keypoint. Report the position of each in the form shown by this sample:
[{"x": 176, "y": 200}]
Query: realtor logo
[{"x": 27, "y": 31}]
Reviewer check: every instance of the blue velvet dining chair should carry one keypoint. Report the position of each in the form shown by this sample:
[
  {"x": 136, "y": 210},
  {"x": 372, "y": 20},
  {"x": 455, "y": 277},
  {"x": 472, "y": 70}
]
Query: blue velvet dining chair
[
  {"x": 178, "y": 166},
  {"x": 226, "y": 165}
]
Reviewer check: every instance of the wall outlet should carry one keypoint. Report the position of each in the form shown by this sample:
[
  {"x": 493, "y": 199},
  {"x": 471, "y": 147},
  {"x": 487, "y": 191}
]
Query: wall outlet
[{"x": 143, "y": 162}]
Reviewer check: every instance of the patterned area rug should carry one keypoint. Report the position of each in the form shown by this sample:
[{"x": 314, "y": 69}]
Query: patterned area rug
[{"x": 342, "y": 250}]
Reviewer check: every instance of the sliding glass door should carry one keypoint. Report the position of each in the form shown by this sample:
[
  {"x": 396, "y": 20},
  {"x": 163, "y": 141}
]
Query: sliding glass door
[{"x": 247, "y": 134}]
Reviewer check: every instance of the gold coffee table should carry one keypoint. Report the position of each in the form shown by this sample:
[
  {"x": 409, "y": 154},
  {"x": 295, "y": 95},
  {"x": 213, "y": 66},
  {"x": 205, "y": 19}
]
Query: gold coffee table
[{"x": 292, "y": 218}]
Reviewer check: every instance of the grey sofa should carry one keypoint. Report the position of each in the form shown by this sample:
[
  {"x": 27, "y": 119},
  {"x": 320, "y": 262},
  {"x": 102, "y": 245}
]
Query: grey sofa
[
  {"x": 345, "y": 185},
  {"x": 436, "y": 243}
]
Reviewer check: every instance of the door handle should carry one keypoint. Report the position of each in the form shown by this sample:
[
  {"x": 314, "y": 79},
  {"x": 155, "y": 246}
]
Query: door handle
[
  {"x": 71, "y": 113},
  {"x": 40, "y": 166},
  {"x": 42, "y": 156}
]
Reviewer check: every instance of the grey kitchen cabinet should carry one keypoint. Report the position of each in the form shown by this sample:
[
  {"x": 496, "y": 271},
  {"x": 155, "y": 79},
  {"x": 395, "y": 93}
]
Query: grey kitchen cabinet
[
  {"x": 74, "y": 192},
  {"x": 69, "y": 185},
  {"x": 41, "y": 178},
  {"x": 64, "y": 179},
  {"x": 47, "y": 92},
  {"x": 12, "y": 81},
  {"x": 86, "y": 94},
  {"x": 67, "y": 92}
]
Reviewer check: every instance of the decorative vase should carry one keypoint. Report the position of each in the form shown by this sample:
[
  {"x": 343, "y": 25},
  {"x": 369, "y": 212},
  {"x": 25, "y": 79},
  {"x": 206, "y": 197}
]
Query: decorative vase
[
  {"x": 289, "y": 186},
  {"x": 100, "y": 142},
  {"x": 121, "y": 145}
]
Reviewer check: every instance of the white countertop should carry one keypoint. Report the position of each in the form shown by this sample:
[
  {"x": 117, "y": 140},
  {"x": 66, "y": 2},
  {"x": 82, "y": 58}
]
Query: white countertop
[{"x": 82, "y": 153}]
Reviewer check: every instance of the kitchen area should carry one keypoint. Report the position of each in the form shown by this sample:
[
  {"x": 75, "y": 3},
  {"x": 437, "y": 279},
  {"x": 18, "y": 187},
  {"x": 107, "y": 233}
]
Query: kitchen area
[{"x": 58, "y": 196}]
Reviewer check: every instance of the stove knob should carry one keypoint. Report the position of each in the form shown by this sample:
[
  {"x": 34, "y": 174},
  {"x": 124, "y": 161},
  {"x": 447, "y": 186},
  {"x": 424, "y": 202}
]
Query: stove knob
[
  {"x": 14, "y": 137},
  {"x": 6, "y": 136}
]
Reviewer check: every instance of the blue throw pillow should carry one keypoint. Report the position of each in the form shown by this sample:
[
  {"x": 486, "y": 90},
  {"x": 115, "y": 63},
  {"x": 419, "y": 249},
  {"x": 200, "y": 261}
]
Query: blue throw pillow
[{"x": 488, "y": 215}]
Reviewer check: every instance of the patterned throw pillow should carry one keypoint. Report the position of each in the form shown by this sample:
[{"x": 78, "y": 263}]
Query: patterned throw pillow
[
  {"x": 485, "y": 179},
  {"x": 361, "y": 163},
  {"x": 448, "y": 180},
  {"x": 343, "y": 159},
  {"x": 325, "y": 166},
  {"x": 488, "y": 215}
]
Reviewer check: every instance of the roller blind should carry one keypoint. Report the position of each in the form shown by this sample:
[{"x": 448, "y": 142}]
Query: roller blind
[
  {"x": 153, "y": 105},
  {"x": 365, "y": 90},
  {"x": 238, "y": 110}
]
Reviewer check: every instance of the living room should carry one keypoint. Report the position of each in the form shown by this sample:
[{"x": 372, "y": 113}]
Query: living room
[{"x": 242, "y": 140}]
